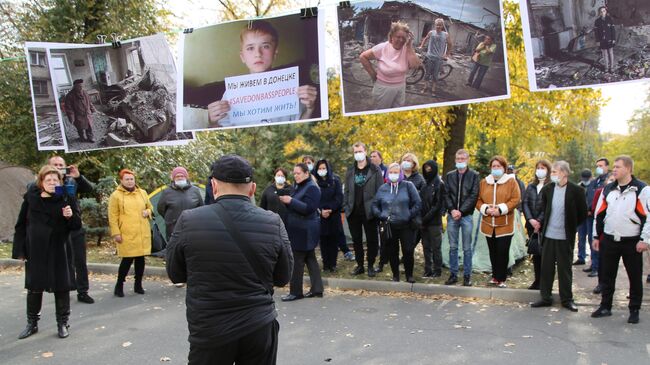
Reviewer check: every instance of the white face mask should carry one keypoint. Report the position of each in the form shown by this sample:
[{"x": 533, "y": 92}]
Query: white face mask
[
  {"x": 555, "y": 179},
  {"x": 181, "y": 183},
  {"x": 280, "y": 180},
  {"x": 322, "y": 173},
  {"x": 310, "y": 166},
  {"x": 393, "y": 177},
  {"x": 541, "y": 173},
  {"x": 359, "y": 156},
  {"x": 407, "y": 165}
]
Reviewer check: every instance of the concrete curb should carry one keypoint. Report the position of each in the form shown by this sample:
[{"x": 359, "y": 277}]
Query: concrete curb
[{"x": 510, "y": 295}]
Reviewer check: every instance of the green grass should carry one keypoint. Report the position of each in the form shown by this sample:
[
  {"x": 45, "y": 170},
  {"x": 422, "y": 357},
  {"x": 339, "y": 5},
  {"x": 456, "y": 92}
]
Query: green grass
[{"x": 523, "y": 271}]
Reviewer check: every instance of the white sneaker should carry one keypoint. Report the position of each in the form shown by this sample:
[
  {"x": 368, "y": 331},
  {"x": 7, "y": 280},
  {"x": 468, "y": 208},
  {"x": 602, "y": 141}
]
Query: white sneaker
[{"x": 502, "y": 285}]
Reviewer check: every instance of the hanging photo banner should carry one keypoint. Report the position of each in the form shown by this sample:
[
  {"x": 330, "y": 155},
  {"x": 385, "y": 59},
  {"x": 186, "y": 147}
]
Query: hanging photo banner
[
  {"x": 251, "y": 73},
  {"x": 110, "y": 97},
  {"x": 49, "y": 133},
  {"x": 576, "y": 44},
  {"x": 404, "y": 55}
]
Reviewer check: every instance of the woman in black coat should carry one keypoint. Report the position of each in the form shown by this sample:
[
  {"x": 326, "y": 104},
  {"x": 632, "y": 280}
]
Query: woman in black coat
[
  {"x": 271, "y": 195},
  {"x": 606, "y": 36},
  {"x": 303, "y": 227},
  {"x": 331, "y": 226},
  {"x": 46, "y": 218},
  {"x": 531, "y": 211}
]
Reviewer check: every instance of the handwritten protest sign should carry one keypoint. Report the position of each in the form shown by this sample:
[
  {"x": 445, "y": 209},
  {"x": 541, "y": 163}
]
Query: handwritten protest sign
[{"x": 259, "y": 97}]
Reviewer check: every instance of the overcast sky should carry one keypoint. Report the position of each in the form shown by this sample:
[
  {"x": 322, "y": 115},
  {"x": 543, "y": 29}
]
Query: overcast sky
[{"x": 625, "y": 99}]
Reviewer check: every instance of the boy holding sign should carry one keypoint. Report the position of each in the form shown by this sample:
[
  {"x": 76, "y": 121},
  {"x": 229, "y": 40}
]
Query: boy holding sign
[{"x": 258, "y": 49}]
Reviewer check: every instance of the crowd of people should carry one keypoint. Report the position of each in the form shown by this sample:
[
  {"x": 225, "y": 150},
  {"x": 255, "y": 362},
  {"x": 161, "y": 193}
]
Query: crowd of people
[{"x": 396, "y": 206}]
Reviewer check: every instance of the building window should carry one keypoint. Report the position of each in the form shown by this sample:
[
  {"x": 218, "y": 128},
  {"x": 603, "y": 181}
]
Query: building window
[
  {"x": 37, "y": 59},
  {"x": 61, "y": 72},
  {"x": 40, "y": 87}
]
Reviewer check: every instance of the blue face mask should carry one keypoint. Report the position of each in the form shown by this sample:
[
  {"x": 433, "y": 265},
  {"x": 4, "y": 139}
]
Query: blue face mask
[
  {"x": 181, "y": 183},
  {"x": 393, "y": 177},
  {"x": 599, "y": 171},
  {"x": 310, "y": 166},
  {"x": 407, "y": 165},
  {"x": 461, "y": 165},
  {"x": 555, "y": 179},
  {"x": 497, "y": 173}
]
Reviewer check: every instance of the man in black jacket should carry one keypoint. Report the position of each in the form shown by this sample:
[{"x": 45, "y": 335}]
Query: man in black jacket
[
  {"x": 78, "y": 236},
  {"x": 230, "y": 270},
  {"x": 433, "y": 207},
  {"x": 460, "y": 200},
  {"x": 562, "y": 208},
  {"x": 362, "y": 180}
]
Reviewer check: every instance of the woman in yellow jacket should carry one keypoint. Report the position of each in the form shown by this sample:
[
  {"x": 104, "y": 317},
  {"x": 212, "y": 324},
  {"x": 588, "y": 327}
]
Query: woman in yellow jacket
[
  {"x": 129, "y": 211},
  {"x": 498, "y": 197}
]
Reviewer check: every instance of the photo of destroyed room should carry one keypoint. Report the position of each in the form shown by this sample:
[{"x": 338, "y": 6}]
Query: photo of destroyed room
[
  {"x": 577, "y": 43},
  {"x": 117, "y": 97}
]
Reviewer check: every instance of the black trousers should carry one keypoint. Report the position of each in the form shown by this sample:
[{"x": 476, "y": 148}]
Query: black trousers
[
  {"x": 125, "y": 265},
  {"x": 537, "y": 259},
  {"x": 558, "y": 252},
  {"x": 61, "y": 305},
  {"x": 499, "y": 255},
  {"x": 329, "y": 249},
  {"x": 257, "y": 348},
  {"x": 431, "y": 244},
  {"x": 404, "y": 236},
  {"x": 78, "y": 244},
  {"x": 610, "y": 256},
  {"x": 300, "y": 258},
  {"x": 358, "y": 224}
]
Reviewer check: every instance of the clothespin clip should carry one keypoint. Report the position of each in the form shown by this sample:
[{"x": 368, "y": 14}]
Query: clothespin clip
[
  {"x": 306, "y": 13},
  {"x": 344, "y": 4},
  {"x": 101, "y": 38},
  {"x": 117, "y": 41},
  {"x": 250, "y": 24},
  {"x": 188, "y": 30}
]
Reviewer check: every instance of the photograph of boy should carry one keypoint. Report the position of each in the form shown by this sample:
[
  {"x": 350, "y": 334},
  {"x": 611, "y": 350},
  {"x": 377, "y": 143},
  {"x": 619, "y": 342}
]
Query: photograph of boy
[
  {"x": 263, "y": 45},
  {"x": 583, "y": 43}
]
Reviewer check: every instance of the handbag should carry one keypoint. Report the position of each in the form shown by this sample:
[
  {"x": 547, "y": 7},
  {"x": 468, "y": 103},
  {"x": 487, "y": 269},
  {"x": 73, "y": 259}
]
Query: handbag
[
  {"x": 158, "y": 242},
  {"x": 534, "y": 244}
]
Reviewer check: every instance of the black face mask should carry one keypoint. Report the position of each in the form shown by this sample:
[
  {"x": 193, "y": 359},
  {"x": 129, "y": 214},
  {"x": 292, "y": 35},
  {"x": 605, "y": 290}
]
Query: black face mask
[{"x": 429, "y": 176}]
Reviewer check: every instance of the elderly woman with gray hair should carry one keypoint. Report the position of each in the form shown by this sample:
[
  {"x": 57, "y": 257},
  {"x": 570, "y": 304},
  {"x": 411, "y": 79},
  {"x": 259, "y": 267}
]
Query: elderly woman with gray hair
[
  {"x": 562, "y": 209},
  {"x": 395, "y": 58}
]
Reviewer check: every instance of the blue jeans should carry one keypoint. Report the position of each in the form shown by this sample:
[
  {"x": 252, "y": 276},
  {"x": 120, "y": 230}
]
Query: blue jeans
[
  {"x": 477, "y": 74},
  {"x": 464, "y": 225},
  {"x": 583, "y": 237},
  {"x": 595, "y": 257}
]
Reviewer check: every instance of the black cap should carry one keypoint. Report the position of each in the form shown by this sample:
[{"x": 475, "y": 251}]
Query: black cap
[
  {"x": 232, "y": 169},
  {"x": 586, "y": 173},
  {"x": 78, "y": 81}
]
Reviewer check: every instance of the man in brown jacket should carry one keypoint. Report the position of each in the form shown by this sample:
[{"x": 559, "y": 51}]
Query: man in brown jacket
[{"x": 80, "y": 111}]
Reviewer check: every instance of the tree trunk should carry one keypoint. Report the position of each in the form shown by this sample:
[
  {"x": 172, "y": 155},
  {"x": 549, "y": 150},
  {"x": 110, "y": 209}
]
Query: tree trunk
[{"x": 457, "y": 137}]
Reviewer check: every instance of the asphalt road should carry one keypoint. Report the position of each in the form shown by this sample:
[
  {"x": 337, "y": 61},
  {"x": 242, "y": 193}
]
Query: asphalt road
[{"x": 342, "y": 328}]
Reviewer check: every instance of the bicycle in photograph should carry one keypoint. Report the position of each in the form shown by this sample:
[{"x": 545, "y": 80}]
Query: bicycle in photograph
[{"x": 416, "y": 75}]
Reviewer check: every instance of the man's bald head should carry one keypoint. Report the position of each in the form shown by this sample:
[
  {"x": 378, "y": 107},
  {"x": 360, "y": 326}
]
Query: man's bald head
[{"x": 57, "y": 162}]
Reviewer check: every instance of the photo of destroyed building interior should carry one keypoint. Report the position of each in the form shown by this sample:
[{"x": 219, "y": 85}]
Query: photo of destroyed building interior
[
  {"x": 467, "y": 23},
  {"x": 113, "y": 97},
  {"x": 48, "y": 128},
  {"x": 578, "y": 43}
]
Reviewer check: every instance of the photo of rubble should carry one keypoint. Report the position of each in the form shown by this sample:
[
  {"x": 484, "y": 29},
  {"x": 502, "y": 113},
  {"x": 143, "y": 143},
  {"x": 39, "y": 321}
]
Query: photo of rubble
[
  {"x": 470, "y": 27},
  {"x": 46, "y": 119},
  {"x": 117, "y": 97},
  {"x": 582, "y": 43}
]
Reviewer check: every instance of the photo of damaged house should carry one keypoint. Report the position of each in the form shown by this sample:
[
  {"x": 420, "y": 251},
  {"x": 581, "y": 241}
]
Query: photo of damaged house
[
  {"x": 113, "y": 97},
  {"x": 577, "y": 43},
  {"x": 468, "y": 23},
  {"x": 48, "y": 129}
]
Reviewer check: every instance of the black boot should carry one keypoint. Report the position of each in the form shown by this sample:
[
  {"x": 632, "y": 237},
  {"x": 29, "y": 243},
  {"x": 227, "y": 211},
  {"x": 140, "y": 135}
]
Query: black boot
[
  {"x": 34, "y": 301},
  {"x": 119, "y": 287},
  {"x": 62, "y": 306},
  {"x": 137, "y": 287}
]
